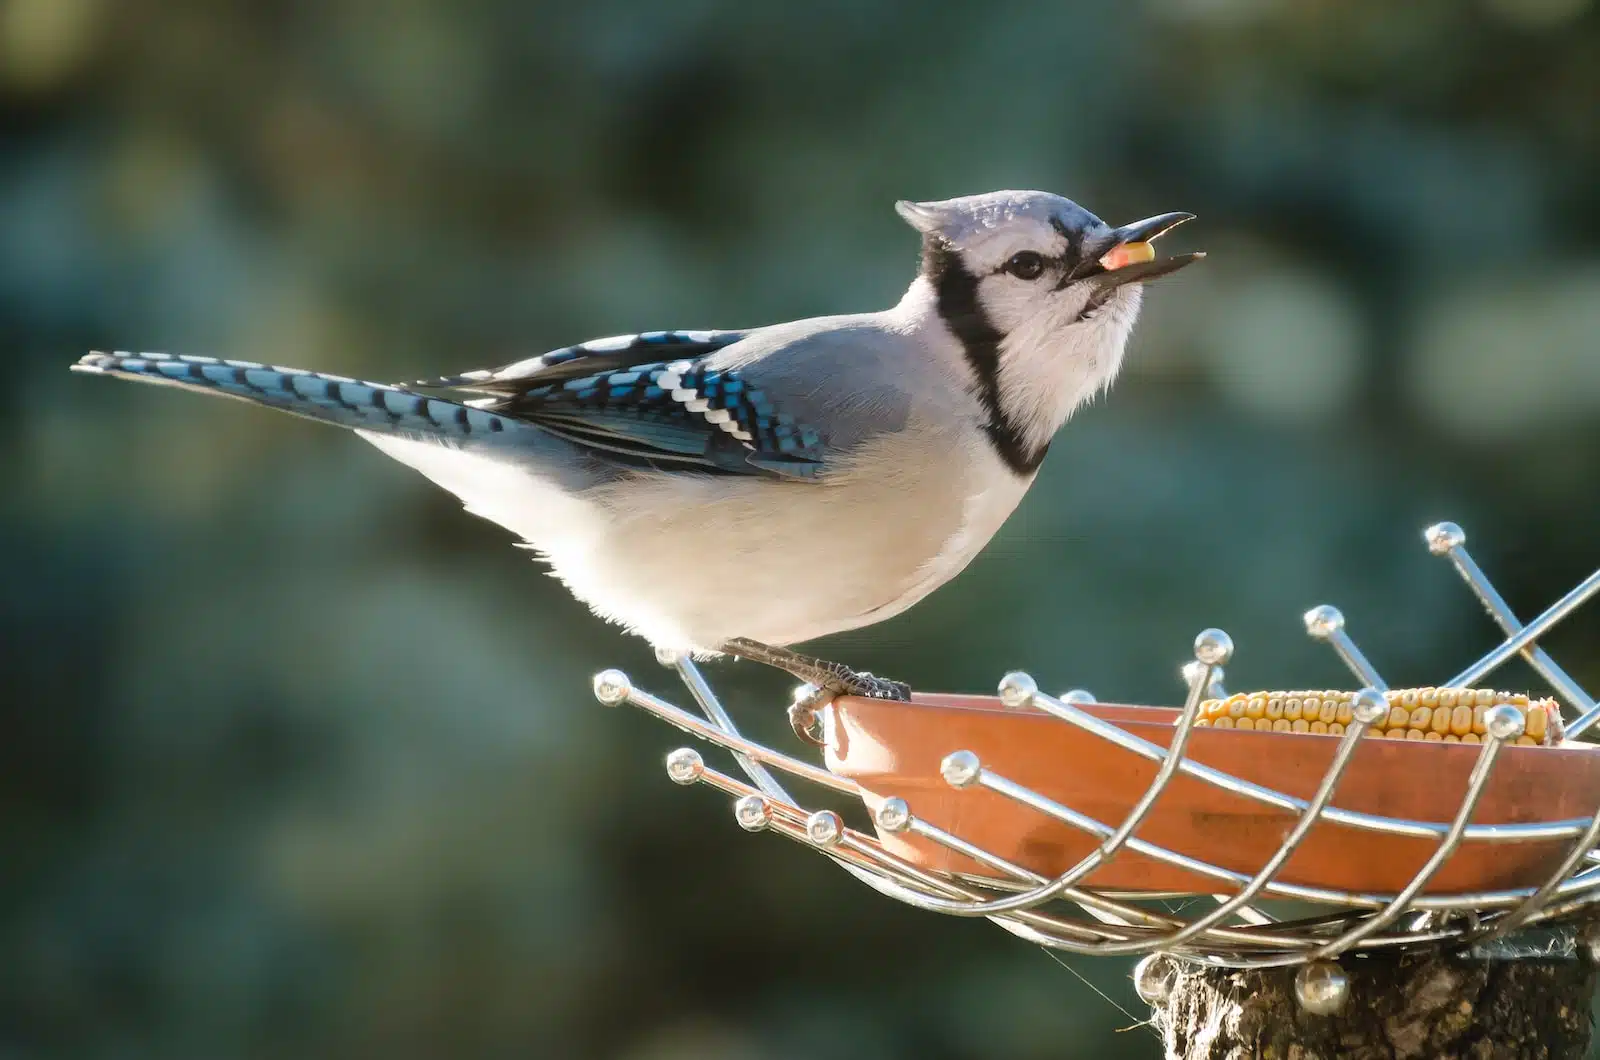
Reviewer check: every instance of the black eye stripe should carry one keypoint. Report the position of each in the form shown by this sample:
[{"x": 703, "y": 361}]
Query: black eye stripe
[{"x": 956, "y": 289}]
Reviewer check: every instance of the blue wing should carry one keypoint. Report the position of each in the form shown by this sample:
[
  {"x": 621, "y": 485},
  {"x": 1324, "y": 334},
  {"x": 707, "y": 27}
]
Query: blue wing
[
  {"x": 651, "y": 401},
  {"x": 587, "y": 358}
]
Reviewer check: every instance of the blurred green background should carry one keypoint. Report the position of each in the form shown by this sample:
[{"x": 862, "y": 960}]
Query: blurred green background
[{"x": 300, "y": 760}]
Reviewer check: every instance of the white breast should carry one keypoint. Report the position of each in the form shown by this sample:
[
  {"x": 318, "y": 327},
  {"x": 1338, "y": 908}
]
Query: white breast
[{"x": 994, "y": 494}]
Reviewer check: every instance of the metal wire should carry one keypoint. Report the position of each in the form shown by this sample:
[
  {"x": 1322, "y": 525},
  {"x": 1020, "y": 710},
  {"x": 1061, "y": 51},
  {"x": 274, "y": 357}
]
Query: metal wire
[
  {"x": 1097, "y": 921},
  {"x": 1448, "y": 540}
]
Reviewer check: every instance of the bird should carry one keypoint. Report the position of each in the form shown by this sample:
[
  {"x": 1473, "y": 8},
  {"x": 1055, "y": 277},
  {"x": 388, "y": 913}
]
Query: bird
[{"x": 739, "y": 492}]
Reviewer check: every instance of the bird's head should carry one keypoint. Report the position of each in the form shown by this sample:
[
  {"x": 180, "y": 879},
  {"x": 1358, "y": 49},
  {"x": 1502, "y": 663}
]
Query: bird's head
[{"x": 1041, "y": 294}]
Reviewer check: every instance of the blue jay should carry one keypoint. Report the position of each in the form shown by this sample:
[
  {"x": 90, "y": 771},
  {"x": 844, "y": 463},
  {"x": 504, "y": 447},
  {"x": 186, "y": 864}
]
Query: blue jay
[{"x": 736, "y": 492}]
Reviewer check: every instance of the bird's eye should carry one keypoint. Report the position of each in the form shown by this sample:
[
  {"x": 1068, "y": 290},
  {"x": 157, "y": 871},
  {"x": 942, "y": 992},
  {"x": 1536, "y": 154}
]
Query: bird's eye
[{"x": 1025, "y": 265}]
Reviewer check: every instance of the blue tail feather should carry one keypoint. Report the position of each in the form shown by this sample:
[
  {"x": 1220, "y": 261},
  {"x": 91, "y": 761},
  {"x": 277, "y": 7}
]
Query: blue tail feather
[{"x": 314, "y": 395}]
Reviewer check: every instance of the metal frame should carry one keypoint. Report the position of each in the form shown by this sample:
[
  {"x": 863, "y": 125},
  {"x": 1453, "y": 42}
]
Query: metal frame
[{"x": 1060, "y": 914}]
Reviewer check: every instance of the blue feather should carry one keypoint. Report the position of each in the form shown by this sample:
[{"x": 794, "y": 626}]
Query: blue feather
[{"x": 314, "y": 395}]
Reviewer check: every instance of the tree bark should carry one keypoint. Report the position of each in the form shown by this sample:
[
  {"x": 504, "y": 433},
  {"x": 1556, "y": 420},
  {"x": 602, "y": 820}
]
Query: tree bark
[{"x": 1425, "y": 1006}]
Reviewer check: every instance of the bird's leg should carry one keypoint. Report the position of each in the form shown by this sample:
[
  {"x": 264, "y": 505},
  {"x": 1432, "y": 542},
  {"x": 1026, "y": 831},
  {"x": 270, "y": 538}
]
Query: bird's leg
[{"x": 830, "y": 676}]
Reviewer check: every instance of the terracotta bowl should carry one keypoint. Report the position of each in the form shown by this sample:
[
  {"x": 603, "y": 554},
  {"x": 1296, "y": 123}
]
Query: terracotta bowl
[{"x": 894, "y": 749}]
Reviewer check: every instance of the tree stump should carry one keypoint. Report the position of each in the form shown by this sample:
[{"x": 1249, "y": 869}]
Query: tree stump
[{"x": 1424, "y": 1005}]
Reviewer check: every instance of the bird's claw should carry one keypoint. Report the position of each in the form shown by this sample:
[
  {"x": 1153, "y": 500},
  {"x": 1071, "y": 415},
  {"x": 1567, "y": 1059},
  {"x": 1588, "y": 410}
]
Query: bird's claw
[{"x": 868, "y": 686}]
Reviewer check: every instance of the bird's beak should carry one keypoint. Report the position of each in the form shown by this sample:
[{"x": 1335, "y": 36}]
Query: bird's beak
[{"x": 1130, "y": 258}]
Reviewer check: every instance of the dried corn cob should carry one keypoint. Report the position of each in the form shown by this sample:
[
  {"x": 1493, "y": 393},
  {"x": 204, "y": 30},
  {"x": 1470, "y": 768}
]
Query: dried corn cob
[{"x": 1447, "y": 715}]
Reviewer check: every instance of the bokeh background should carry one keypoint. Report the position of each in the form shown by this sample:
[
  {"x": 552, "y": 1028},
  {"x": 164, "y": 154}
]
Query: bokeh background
[{"x": 296, "y": 759}]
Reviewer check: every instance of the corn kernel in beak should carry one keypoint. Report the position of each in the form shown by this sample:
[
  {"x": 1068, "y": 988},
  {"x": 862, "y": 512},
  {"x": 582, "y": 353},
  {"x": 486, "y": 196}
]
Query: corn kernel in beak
[{"x": 1127, "y": 254}]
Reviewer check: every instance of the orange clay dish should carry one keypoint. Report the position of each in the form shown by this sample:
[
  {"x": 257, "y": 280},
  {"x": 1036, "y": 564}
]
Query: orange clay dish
[{"x": 1414, "y": 765}]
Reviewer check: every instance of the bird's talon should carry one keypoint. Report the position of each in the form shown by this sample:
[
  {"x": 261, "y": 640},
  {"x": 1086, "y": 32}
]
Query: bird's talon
[{"x": 870, "y": 687}]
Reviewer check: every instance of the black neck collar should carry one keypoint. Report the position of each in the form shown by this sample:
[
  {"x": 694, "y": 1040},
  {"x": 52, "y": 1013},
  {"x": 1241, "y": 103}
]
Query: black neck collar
[{"x": 956, "y": 291}]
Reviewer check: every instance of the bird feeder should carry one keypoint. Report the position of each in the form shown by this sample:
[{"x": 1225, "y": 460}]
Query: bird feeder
[{"x": 1309, "y": 855}]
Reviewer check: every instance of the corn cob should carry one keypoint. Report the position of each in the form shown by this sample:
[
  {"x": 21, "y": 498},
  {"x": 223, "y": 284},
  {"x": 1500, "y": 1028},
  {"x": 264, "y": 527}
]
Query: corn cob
[{"x": 1440, "y": 715}]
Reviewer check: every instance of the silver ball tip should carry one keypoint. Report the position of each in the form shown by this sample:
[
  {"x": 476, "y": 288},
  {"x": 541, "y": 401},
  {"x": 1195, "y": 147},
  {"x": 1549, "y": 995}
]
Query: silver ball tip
[
  {"x": 960, "y": 769},
  {"x": 1213, "y": 647},
  {"x": 1504, "y": 722},
  {"x": 1153, "y": 979},
  {"x": 752, "y": 812},
  {"x": 894, "y": 815},
  {"x": 612, "y": 687},
  {"x": 685, "y": 766},
  {"x": 1321, "y": 988},
  {"x": 1017, "y": 689},
  {"x": 1323, "y": 621},
  {"x": 1369, "y": 706},
  {"x": 1444, "y": 538},
  {"x": 824, "y": 828}
]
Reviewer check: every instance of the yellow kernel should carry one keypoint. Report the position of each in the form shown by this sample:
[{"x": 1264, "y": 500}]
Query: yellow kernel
[
  {"x": 1299, "y": 725},
  {"x": 1526, "y": 741},
  {"x": 1483, "y": 697},
  {"x": 1275, "y": 708},
  {"x": 1344, "y": 714},
  {"x": 1414, "y": 734},
  {"x": 1223, "y": 722},
  {"x": 1399, "y": 718},
  {"x": 1478, "y": 725},
  {"x": 1538, "y": 722},
  {"x": 1396, "y": 734},
  {"x": 1472, "y": 737},
  {"x": 1449, "y": 697},
  {"x": 1335, "y": 729},
  {"x": 1421, "y": 717},
  {"x": 1329, "y": 711},
  {"x": 1428, "y": 697},
  {"x": 1291, "y": 708},
  {"x": 1245, "y": 723},
  {"x": 1408, "y": 698},
  {"x": 1320, "y": 728},
  {"x": 1256, "y": 707},
  {"x": 1441, "y": 719},
  {"x": 1452, "y": 738},
  {"x": 1236, "y": 706},
  {"x": 1432, "y": 737},
  {"x": 1519, "y": 701},
  {"x": 1208, "y": 708},
  {"x": 1280, "y": 725},
  {"x": 1460, "y": 720},
  {"x": 1202, "y": 723}
]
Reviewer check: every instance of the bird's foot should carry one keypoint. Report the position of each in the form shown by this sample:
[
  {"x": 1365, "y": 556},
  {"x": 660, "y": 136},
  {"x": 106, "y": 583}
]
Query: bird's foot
[
  {"x": 870, "y": 686},
  {"x": 833, "y": 678}
]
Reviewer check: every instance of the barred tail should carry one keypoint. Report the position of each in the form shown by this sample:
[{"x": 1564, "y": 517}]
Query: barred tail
[{"x": 314, "y": 395}]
